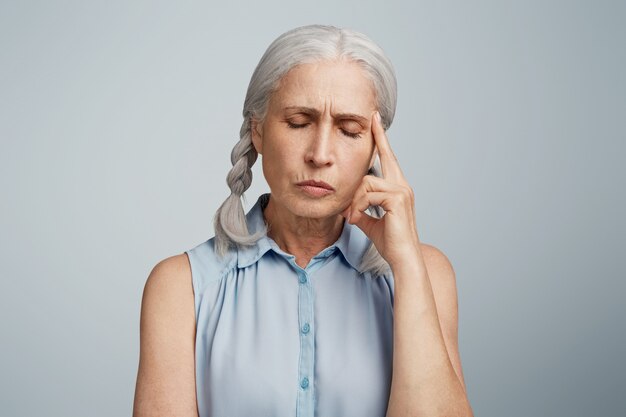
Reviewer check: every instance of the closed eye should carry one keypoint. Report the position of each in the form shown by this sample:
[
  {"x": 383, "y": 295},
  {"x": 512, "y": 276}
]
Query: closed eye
[
  {"x": 297, "y": 126},
  {"x": 352, "y": 135},
  {"x": 300, "y": 126}
]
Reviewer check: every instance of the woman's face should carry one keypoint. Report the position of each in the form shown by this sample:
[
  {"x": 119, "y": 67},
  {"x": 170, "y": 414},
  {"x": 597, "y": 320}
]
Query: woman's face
[{"x": 317, "y": 127}]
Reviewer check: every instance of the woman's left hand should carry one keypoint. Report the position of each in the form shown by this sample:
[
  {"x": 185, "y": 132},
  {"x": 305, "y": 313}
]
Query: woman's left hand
[{"x": 395, "y": 234}]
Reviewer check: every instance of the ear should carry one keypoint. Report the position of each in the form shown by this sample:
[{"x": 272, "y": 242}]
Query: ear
[{"x": 256, "y": 134}]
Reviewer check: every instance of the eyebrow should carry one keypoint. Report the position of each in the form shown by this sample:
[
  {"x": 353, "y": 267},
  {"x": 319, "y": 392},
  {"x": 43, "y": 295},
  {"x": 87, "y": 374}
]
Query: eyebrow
[{"x": 316, "y": 112}]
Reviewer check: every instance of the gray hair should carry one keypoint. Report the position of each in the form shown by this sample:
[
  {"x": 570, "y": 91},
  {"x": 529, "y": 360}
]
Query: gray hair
[{"x": 302, "y": 45}]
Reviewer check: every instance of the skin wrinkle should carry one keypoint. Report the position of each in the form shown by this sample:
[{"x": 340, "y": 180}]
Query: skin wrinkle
[
  {"x": 426, "y": 365},
  {"x": 425, "y": 381},
  {"x": 302, "y": 225},
  {"x": 361, "y": 120}
]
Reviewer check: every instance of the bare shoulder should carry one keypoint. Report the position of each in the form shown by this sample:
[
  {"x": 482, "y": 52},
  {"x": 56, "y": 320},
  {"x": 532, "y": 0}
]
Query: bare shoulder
[
  {"x": 436, "y": 261},
  {"x": 168, "y": 292},
  {"x": 442, "y": 279},
  {"x": 166, "y": 375},
  {"x": 443, "y": 282},
  {"x": 170, "y": 274}
]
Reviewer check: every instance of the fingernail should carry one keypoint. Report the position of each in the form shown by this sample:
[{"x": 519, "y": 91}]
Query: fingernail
[{"x": 378, "y": 117}]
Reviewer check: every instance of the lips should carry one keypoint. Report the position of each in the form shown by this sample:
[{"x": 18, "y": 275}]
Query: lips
[{"x": 315, "y": 183}]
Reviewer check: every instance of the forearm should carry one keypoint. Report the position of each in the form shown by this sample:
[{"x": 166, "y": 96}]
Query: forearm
[{"x": 424, "y": 382}]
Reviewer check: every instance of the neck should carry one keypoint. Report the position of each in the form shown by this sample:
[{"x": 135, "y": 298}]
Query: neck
[{"x": 303, "y": 237}]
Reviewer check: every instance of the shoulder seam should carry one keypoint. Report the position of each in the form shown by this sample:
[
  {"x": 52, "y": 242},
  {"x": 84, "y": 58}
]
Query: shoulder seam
[{"x": 203, "y": 260}]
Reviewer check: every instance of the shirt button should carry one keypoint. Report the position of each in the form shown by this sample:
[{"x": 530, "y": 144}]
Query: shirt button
[
  {"x": 306, "y": 328},
  {"x": 305, "y": 382},
  {"x": 302, "y": 279}
]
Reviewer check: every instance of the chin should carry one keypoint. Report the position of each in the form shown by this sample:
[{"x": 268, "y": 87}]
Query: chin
[{"x": 315, "y": 208}]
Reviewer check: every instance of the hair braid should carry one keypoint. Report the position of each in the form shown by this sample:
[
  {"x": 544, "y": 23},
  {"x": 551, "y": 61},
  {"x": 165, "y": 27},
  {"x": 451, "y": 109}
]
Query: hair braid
[
  {"x": 230, "y": 218},
  {"x": 301, "y": 45}
]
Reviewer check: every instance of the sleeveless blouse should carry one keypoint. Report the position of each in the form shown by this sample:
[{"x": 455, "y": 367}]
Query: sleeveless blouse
[{"x": 274, "y": 339}]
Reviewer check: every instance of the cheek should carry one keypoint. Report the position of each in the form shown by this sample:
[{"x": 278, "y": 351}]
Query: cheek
[
  {"x": 356, "y": 161},
  {"x": 353, "y": 171},
  {"x": 276, "y": 161},
  {"x": 284, "y": 153}
]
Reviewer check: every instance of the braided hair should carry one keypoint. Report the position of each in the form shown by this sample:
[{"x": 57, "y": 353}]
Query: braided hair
[{"x": 305, "y": 44}]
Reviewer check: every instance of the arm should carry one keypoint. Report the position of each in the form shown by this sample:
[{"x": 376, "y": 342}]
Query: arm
[
  {"x": 166, "y": 375},
  {"x": 427, "y": 377}
]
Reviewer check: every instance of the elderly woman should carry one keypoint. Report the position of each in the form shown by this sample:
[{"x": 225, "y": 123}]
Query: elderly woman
[{"x": 321, "y": 300}]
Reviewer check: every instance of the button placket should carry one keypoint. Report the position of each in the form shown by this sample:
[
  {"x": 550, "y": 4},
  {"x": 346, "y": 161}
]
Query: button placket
[{"x": 306, "y": 403}]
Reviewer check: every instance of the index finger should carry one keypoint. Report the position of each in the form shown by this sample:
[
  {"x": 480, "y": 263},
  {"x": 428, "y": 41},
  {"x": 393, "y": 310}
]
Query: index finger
[{"x": 388, "y": 160}]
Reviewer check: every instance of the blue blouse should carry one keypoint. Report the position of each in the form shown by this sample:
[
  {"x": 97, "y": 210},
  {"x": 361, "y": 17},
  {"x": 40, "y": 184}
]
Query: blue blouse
[{"x": 274, "y": 339}]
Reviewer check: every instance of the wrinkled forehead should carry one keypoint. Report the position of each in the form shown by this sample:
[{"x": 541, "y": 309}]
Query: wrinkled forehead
[{"x": 344, "y": 86}]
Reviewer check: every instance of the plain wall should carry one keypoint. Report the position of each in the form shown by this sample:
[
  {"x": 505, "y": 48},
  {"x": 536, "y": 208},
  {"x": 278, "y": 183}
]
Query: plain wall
[{"x": 117, "y": 119}]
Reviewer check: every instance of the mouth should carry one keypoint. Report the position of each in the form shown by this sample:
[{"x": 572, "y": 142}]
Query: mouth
[
  {"x": 315, "y": 189},
  {"x": 318, "y": 184}
]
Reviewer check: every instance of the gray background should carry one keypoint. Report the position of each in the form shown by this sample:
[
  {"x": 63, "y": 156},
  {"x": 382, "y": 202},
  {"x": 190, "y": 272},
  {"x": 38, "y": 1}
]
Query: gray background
[{"x": 116, "y": 124}]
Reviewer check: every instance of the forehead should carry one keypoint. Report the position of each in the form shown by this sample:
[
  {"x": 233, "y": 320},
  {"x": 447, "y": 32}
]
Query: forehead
[{"x": 342, "y": 85}]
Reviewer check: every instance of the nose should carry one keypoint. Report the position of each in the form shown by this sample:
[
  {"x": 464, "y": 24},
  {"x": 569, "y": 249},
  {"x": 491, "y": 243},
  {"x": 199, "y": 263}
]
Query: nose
[{"x": 320, "y": 149}]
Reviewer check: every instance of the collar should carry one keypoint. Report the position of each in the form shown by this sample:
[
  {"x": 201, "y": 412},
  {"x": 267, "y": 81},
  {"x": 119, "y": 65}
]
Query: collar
[{"x": 352, "y": 242}]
